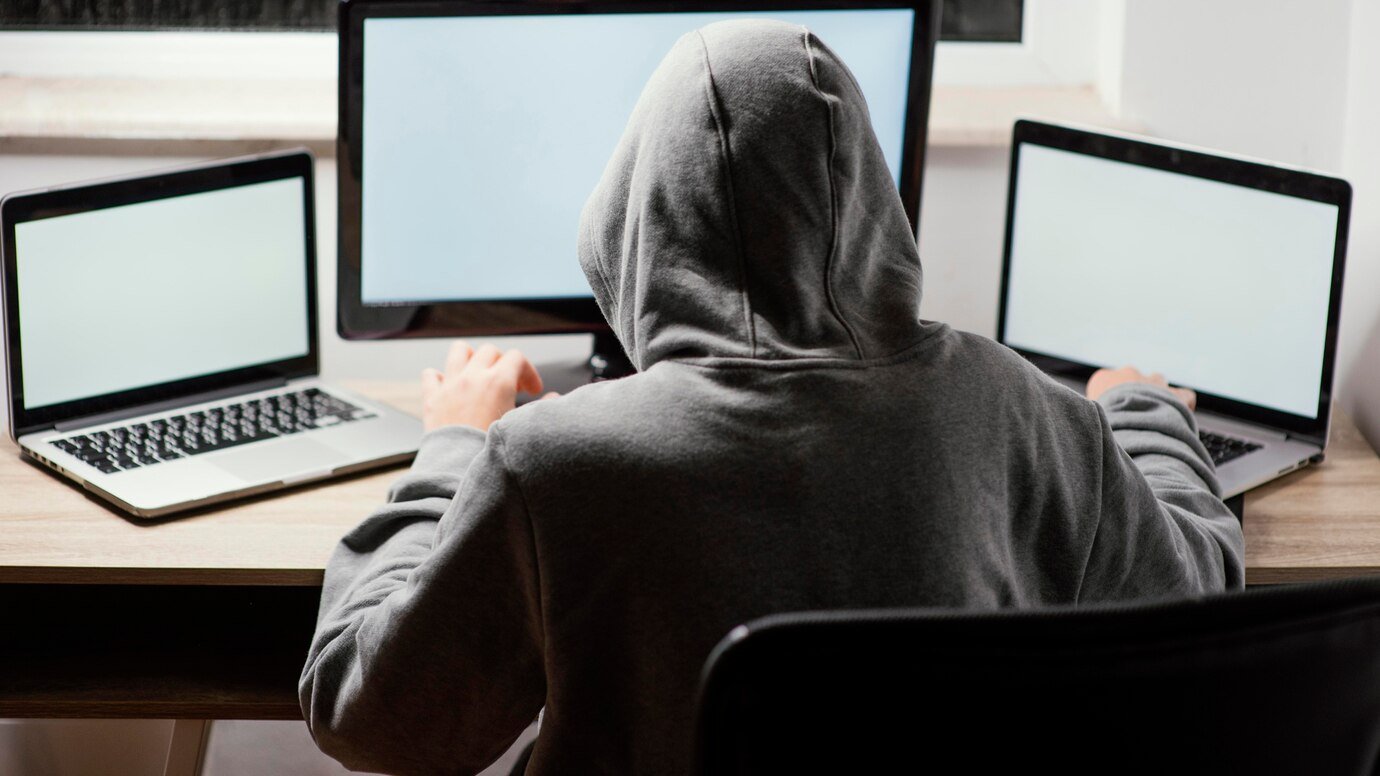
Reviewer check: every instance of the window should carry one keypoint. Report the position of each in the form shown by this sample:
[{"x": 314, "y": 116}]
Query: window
[
  {"x": 987, "y": 21},
  {"x": 993, "y": 21}
]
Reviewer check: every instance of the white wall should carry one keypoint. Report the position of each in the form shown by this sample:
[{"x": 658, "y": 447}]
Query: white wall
[
  {"x": 1264, "y": 79},
  {"x": 1359, "y": 361},
  {"x": 962, "y": 224}
]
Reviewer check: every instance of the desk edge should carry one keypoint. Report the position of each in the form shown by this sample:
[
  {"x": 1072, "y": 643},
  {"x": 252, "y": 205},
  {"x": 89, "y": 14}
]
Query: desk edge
[{"x": 93, "y": 575}]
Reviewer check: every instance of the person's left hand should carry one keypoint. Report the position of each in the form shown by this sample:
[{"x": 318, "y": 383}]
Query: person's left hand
[{"x": 477, "y": 388}]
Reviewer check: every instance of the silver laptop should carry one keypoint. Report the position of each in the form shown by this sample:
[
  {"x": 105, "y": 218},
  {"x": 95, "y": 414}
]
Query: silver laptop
[
  {"x": 1222, "y": 273},
  {"x": 162, "y": 347}
]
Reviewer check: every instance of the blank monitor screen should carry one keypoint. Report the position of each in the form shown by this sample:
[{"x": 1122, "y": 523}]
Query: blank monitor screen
[
  {"x": 483, "y": 136},
  {"x": 158, "y": 291},
  {"x": 1222, "y": 288}
]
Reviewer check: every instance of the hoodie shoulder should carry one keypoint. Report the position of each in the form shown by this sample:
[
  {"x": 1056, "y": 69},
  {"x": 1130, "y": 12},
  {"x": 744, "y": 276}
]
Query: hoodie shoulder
[
  {"x": 988, "y": 365},
  {"x": 589, "y": 423}
]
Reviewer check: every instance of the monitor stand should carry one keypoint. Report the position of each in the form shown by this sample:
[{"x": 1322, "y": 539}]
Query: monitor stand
[{"x": 608, "y": 361}]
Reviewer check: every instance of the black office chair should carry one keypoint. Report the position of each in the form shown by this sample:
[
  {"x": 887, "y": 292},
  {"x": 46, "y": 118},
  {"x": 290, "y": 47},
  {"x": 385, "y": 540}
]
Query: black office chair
[{"x": 1266, "y": 681}]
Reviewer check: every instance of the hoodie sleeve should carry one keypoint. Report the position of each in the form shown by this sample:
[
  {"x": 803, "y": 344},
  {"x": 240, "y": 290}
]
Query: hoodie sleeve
[
  {"x": 427, "y": 656},
  {"x": 1163, "y": 526}
]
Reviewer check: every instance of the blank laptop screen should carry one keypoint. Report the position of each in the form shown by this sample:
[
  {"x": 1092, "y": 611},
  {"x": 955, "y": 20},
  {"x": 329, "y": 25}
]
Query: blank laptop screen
[
  {"x": 1223, "y": 288},
  {"x": 137, "y": 295},
  {"x": 483, "y": 136}
]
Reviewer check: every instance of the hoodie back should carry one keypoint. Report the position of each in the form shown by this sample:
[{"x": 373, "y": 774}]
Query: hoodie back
[{"x": 796, "y": 439}]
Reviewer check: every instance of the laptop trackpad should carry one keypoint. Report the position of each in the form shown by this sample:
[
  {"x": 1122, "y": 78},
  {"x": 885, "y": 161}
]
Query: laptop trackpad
[{"x": 279, "y": 459}]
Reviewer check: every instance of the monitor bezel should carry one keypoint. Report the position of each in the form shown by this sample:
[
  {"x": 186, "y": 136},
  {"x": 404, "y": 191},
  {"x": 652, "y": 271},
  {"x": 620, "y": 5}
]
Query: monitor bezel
[
  {"x": 150, "y": 187},
  {"x": 356, "y": 320},
  {"x": 1209, "y": 166}
]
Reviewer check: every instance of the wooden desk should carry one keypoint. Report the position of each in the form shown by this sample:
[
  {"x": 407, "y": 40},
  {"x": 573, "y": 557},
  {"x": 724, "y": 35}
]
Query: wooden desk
[
  {"x": 209, "y": 615},
  {"x": 1319, "y": 523}
]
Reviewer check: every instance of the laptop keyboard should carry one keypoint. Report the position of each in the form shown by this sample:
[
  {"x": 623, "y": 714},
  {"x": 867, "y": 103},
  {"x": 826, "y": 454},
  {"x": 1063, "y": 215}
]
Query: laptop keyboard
[
  {"x": 166, "y": 439},
  {"x": 1225, "y": 448}
]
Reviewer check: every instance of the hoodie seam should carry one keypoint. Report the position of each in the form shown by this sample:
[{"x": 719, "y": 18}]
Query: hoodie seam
[
  {"x": 927, "y": 338},
  {"x": 833, "y": 199},
  {"x": 711, "y": 97}
]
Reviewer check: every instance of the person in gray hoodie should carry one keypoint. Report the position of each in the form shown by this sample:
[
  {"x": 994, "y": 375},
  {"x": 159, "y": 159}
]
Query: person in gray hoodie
[{"x": 796, "y": 438}]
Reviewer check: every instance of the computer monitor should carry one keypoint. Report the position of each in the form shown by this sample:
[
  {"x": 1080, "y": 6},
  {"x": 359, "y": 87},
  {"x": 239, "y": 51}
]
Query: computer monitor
[{"x": 471, "y": 134}]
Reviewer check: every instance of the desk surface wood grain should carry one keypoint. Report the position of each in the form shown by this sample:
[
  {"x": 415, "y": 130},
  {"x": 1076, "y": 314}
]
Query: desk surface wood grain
[{"x": 1319, "y": 523}]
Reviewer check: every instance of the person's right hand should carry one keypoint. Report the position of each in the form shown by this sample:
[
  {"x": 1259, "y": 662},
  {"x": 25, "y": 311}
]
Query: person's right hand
[
  {"x": 1105, "y": 379},
  {"x": 477, "y": 388}
]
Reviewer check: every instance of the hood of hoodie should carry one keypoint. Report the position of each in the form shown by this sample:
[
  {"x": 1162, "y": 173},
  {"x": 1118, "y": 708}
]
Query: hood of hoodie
[{"x": 747, "y": 211}]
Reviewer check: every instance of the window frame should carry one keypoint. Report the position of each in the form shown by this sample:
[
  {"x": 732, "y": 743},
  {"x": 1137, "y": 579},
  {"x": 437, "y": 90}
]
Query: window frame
[{"x": 1060, "y": 46}]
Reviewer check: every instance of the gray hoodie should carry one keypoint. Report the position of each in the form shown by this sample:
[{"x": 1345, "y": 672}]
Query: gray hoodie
[{"x": 796, "y": 439}]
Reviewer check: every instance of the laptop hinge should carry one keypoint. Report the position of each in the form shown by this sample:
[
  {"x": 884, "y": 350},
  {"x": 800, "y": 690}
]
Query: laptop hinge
[
  {"x": 1309, "y": 439},
  {"x": 168, "y": 404}
]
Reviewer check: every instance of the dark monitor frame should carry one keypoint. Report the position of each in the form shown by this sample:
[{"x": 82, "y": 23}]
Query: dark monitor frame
[
  {"x": 85, "y": 197},
  {"x": 356, "y": 320},
  {"x": 1199, "y": 164}
]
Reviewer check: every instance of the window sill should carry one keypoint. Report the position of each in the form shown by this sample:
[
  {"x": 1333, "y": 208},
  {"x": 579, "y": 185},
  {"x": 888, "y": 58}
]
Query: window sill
[
  {"x": 196, "y": 117},
  {"x": 982, "y": 116},
  {"x": 179, "y": 117}
]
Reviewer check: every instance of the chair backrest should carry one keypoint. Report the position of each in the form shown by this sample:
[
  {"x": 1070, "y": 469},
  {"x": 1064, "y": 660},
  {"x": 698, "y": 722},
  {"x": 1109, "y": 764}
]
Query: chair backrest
[{"x": 1277, "y": 680}]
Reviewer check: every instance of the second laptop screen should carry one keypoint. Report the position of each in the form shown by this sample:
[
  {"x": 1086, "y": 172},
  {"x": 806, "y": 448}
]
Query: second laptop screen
[
  {"x": 1222, "y": 288},
  {"x": 483, "y": 136}
]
